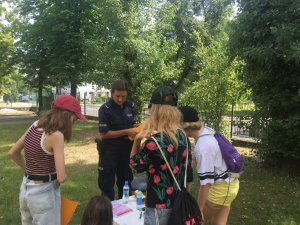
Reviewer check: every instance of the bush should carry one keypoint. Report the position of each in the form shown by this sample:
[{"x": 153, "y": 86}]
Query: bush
[{"x": 100, "y": 99}]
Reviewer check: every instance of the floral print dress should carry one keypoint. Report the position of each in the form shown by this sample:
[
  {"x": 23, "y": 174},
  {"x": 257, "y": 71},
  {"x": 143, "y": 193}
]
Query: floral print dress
[{"x": 161, "y": 188}]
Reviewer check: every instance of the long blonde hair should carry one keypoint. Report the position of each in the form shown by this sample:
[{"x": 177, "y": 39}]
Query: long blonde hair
[{"x": 164, "y": 119}]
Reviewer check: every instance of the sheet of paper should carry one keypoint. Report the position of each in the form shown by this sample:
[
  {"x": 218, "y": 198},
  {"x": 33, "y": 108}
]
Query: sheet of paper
[{"x": 119, "y": 208}]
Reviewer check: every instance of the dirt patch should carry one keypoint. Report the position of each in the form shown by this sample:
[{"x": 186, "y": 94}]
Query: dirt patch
[{"x": 86, "y": 154}]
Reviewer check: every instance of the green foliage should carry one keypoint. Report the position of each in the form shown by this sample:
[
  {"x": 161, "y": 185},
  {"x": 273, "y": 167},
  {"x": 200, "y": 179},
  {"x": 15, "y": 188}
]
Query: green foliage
[
  {"x": 216, "y": 84},
  {"x": 6, "y": 52},
  {"x": 147, "y": 43},
  {"x": 100, "y": 99},
  {"x": 269, "y": 44},
  {"x": 15, "y": 86},
  {"x": 6, "y": 48}
]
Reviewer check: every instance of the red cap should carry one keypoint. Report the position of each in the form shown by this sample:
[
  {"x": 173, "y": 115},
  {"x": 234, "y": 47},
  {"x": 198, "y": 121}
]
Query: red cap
[{"x": 68, "y": 102}]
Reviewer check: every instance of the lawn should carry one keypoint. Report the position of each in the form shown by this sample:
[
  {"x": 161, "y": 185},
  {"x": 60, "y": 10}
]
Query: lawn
[{"x": 266, "y": 196}]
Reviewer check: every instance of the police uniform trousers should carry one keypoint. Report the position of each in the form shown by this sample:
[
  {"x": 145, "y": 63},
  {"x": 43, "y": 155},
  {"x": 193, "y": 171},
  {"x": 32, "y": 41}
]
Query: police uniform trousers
[{"x": 114, "y": 163}]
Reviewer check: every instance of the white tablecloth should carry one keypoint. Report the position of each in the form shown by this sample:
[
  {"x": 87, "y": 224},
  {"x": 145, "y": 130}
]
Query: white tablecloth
[{"x": 130, "y": 218}]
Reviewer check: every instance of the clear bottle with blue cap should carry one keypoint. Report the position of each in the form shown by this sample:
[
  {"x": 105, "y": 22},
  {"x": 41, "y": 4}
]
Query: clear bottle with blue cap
[
  {"x": 139, "y": 199},
  {"x": 125, "y": 192}
]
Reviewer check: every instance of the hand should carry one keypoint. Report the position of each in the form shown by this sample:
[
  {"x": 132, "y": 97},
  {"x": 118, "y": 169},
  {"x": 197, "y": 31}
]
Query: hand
[
  {"x": 144, "y": 134},
  {"x": 131, "y": 132}
]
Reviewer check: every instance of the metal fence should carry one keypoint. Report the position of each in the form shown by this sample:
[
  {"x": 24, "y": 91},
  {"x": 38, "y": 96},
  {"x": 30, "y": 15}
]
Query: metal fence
[{"x": 238, "y": 124}]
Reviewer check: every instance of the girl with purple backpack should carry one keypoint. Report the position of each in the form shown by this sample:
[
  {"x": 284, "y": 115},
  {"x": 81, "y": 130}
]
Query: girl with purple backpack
[{"x": 218, "y": 188}]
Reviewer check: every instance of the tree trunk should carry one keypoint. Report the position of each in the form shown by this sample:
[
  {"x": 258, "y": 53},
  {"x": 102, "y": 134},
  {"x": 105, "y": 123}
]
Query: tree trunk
[
  {"x": 73, "y": 89},
  {"x": 40, "y": 93}
]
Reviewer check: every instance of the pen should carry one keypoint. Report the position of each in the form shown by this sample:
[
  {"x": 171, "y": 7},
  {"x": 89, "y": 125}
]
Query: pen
[{"x": 141, "y": 214}]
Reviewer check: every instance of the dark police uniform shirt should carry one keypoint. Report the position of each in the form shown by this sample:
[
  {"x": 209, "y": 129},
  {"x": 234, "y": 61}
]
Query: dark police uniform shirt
[{"x": 114, "y": 117}]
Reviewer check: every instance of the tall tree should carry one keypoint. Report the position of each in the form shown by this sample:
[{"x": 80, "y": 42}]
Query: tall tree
[
  {"x": 6, "y": 52},
  {"x": 269, "y": 44},
  {"x": 130, "y": 46},
  {"x": 69, "y": 25},
  {"x": 32, "y": 51},
  {"x": 51, "y": 42},
  {"x": 213, "y": 84}
]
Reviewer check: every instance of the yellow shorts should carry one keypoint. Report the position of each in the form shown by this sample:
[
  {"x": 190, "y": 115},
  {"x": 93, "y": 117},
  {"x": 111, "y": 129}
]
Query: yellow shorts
[{"x": 223, "y": 193}]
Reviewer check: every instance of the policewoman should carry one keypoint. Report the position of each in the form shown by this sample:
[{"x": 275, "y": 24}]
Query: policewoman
[{"x": 116, "y": 122}]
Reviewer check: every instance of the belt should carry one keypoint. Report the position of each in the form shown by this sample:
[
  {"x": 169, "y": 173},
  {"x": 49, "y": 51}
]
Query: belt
[{"x": 44, "y": 178}]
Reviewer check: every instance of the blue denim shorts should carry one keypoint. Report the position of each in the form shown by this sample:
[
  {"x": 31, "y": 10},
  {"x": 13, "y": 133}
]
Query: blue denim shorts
[
  {"x": 40, "y": 203},
  {"x": 162, "y": 214}
]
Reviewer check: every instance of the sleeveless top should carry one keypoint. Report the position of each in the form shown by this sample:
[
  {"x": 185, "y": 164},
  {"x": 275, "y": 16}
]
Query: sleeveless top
[{"x": 38, "y": 161}]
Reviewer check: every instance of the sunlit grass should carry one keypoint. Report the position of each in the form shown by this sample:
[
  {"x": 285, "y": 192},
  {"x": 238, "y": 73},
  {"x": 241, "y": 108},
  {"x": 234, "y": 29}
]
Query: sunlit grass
[{"x": 266, "y": 196}]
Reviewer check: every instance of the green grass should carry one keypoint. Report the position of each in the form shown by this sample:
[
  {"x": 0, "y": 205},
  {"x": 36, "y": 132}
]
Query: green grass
[{"x": 265, "y": 197}]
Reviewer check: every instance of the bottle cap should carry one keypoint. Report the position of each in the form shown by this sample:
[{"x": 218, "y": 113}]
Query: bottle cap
[{"x": 126, "y": 182}]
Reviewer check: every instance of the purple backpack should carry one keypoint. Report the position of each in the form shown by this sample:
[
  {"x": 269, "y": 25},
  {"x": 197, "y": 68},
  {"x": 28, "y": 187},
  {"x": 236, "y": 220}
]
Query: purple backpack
[{"x": 232, "y": 158}]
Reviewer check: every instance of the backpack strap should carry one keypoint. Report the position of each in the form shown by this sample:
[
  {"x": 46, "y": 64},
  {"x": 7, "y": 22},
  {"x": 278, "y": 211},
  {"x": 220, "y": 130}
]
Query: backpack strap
[
  {"x": 210, "y": 130},
  {"x": 168, "y": 165},
  {"x": 187, "y": 158}
]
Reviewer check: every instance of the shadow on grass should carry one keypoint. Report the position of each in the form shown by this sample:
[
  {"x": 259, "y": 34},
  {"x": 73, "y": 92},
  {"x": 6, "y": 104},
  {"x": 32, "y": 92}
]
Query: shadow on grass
[{"x": 266, "y": 196}]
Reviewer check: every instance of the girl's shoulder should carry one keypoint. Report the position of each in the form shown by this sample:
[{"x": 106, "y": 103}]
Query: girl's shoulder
[{"x": 56, "y": 135}]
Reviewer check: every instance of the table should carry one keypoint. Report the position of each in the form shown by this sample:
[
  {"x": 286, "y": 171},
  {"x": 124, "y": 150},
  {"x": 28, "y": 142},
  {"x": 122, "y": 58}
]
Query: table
[{"x": 130, "y": 218}]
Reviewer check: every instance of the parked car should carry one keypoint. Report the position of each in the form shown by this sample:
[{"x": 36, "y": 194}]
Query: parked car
[{"x": 25, "y": 98}]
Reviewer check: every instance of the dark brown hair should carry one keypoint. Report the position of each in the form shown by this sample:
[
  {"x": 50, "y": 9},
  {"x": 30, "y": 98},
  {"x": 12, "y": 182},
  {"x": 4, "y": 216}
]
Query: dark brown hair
[
  {"x": 98, "y": 212},
  {"x": 119, "y": 85},
  {"x": 57, "y": 120}
]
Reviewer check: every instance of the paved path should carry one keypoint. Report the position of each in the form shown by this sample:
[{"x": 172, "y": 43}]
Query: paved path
[{"x": 17, "y": 119}]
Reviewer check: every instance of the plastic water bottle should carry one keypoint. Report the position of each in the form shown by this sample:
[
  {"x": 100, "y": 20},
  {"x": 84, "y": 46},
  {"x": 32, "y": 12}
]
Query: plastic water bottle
[
  {"x": 139, "y": 200},
  {"x": 125, "y": 192}
]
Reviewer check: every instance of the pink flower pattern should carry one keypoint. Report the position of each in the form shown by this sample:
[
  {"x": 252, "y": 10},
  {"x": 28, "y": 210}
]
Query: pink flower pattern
[
  {"x": 170, "y": 148},
  {"x": 151, "y": 145},
  {"x": 151, "y": 169},
  {"x": 156, "y": 179},
  {"x": 163, "y": 167},
  {"x": 175, "y": 170},
  {"x": 170, "y": 190}
]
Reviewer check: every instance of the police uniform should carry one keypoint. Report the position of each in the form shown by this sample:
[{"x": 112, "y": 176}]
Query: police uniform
[{"x": 114, "y": 152}]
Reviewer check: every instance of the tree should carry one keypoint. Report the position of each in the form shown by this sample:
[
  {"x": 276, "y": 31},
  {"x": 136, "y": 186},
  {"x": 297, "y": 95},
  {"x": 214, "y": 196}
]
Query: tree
[
  {"x": 269, "y": 44},
  {"x": 213, "y": 85},
  {"x": 17, "y": 87},
  {"x": 32, "y": 52},
  {"x": 218, "y": 85},
  {"x": 131, "y": 46},
  {"x": 51, "y": 42},
  {"x": 6, "y": 52},
  {"x": 69, "y": 27}
]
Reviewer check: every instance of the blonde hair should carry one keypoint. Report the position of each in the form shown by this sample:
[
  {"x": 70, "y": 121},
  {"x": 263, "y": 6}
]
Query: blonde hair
[
  {"x": 164, "y": 119},
  {"x": 192, "y": 125}
]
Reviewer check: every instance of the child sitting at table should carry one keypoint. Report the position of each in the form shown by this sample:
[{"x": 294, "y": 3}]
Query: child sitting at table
[{"x": 98, "y": 212}]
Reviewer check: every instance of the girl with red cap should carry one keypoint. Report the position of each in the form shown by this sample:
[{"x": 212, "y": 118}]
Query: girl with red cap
[{"x": 43, "y": 161}]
